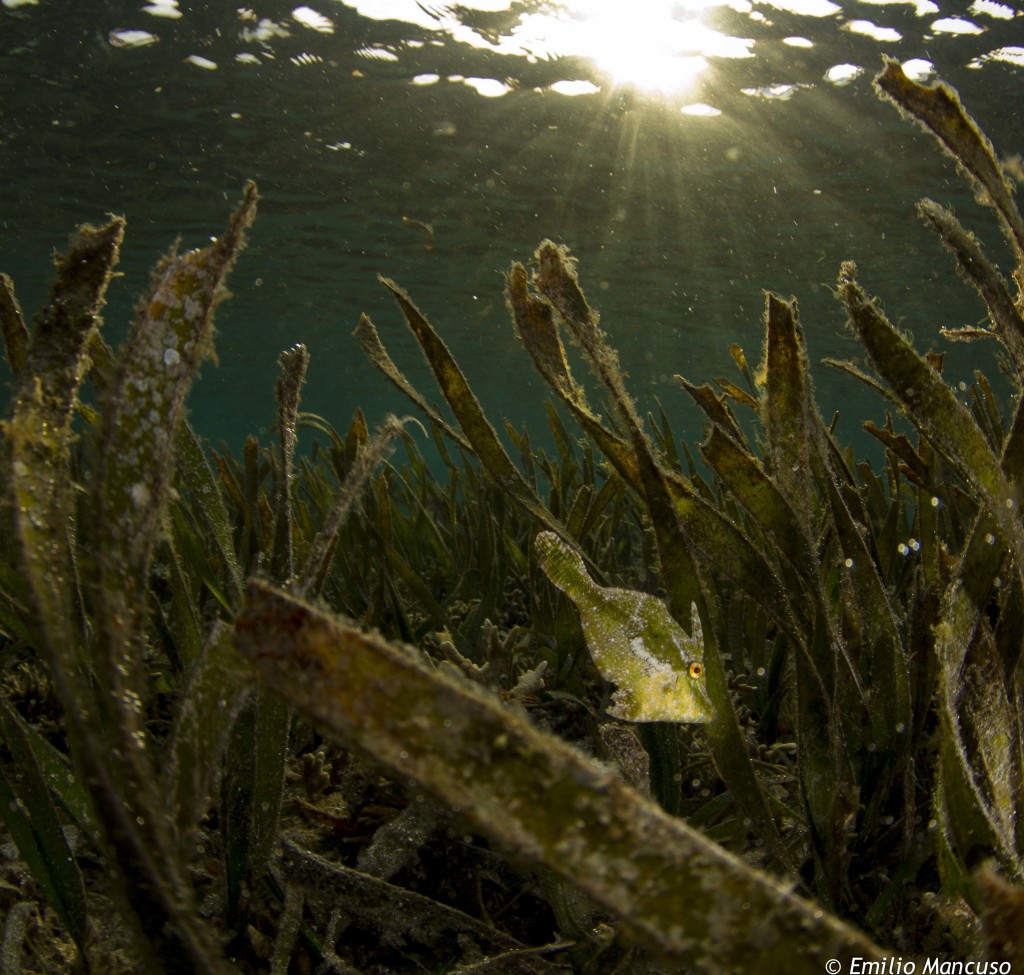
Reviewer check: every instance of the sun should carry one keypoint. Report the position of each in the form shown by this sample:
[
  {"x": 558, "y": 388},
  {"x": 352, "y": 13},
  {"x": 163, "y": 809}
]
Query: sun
[{"x": 654, "y": 45}]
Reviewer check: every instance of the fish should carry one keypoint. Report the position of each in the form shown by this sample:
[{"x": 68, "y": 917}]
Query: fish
[{"x": 657, "y": 668}]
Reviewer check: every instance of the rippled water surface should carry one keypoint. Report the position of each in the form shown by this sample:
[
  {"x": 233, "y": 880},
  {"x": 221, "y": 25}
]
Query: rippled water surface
[{"x": 690, "y": 154}]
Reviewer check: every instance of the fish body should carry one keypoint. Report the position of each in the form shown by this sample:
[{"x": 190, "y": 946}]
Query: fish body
[{"x": 657, "y": 668}]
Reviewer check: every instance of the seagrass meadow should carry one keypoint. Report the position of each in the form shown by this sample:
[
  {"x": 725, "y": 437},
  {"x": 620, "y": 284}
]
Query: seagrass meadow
[{"x": 319, "y": 707}]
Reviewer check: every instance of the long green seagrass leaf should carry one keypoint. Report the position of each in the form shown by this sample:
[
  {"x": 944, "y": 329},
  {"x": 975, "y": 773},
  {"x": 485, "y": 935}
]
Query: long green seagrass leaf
[
  {"x": 933, "y": 408},
  {"x": 785, "y": 410},
  {"x": 258, "y": 746},
  {"x": 27, "y": 808},
  {"x": 369, "y": 338},
  {"x": 477, "y": 428},
  {"x": 195, "y": 473},
  {"x": 370, "y": 455},
  {"x": 141, "y": 415},
  {"x": 975, "y": 268},
  {"x": 535, "y": 325},
  {"x": 980, "y": 787},
  {"x": 38, "y": 434},
  {"x": 534, "y": 322},
  {"x": 182, "y": 615},
  {"x": 287, "y": 391},
  {"x": 741, "y": 472},
  {"x": 167, "y": 342},
  {"x": 716, "y": 407},
  {"x": 214, "y": 692},
  {"x": 556, "y": 280},
  {"x": 889, "y": 714},
  {"x": 634, "y": 458},
  {"x": 12, "y": 326},
  {"x": 66, "y": 787},
  {"x": 938, "y": 108},
  {"x": 680, "y": 893},
  {"x": 39, "y": 431}
]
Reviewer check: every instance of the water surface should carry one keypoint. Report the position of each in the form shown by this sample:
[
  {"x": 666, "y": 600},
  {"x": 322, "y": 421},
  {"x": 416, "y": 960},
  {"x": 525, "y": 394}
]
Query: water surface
[{"x": 690, "y": 154}]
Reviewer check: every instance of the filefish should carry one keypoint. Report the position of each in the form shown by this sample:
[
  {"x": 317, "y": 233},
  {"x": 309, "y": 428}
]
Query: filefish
[{"x": 658, "y": 670}]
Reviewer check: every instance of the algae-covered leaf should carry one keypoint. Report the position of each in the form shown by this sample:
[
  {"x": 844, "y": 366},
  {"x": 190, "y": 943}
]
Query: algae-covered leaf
[
  {"x": 717, "y": 407},
  {"x": 785, "y": 406},
  {"x": 635, "y": 642},
  {"x": 168, "y": 340},
  {"x": 142, "y": 412},
  {"x": 12, "y": 326},
  {"x": 678, "y": 892},
  {"x": 534, "y": 322},
  {"x": 293, "y": 363},
  {"x": 213, "y": 694},
  {"x": 978, "y": 271},
  {"x": 368, "y": 337},
  {"x": 933, "y": 407},
  {"x": 741, "y": 472},
  {"x": 938, "y": 108},
  {"x": 979, "y": 740},
  {"x": 482, "y": 437},
  {"x": 535, "y": 325},
  {"x": 39, "y": 433},
  {"x": 370, "y": 454}
]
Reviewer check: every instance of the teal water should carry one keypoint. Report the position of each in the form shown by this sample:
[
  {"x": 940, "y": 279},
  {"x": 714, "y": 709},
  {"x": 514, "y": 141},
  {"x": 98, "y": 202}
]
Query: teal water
[{"x": 682, "y": 202}]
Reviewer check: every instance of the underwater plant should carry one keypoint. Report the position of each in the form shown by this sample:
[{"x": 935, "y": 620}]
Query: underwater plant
[{"x": 495, "y": 747}]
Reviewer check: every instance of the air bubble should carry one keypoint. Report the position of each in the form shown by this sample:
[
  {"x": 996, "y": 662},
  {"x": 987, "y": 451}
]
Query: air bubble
[{"x": 171, "y": 357}]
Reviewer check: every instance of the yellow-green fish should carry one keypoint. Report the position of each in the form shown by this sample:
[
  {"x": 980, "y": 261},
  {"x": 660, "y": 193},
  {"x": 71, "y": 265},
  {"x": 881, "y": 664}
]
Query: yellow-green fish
[{"x": 635, "y": 642}]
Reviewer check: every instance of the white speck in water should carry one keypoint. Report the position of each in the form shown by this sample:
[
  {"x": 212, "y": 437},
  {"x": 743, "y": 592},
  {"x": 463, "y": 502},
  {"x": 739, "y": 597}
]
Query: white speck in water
[{"x": 171, "y": 357}]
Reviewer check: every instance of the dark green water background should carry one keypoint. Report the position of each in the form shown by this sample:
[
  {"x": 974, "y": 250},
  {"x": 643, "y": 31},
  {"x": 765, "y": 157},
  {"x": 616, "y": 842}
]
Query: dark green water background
[{"x": 679, "y": 222}]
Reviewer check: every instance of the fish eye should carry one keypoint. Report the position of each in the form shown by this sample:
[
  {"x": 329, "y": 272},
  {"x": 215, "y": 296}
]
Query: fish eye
[{"x": 696, "y": 670}]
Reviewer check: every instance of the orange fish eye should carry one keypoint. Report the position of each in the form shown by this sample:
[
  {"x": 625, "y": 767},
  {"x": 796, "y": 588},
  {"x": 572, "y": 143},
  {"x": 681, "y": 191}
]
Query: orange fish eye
[{"x": 696, "y": 670}]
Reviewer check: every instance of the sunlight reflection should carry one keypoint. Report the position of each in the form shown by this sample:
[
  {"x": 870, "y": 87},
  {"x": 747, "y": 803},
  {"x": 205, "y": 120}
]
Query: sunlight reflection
[{"x": 655, "y": 45}]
